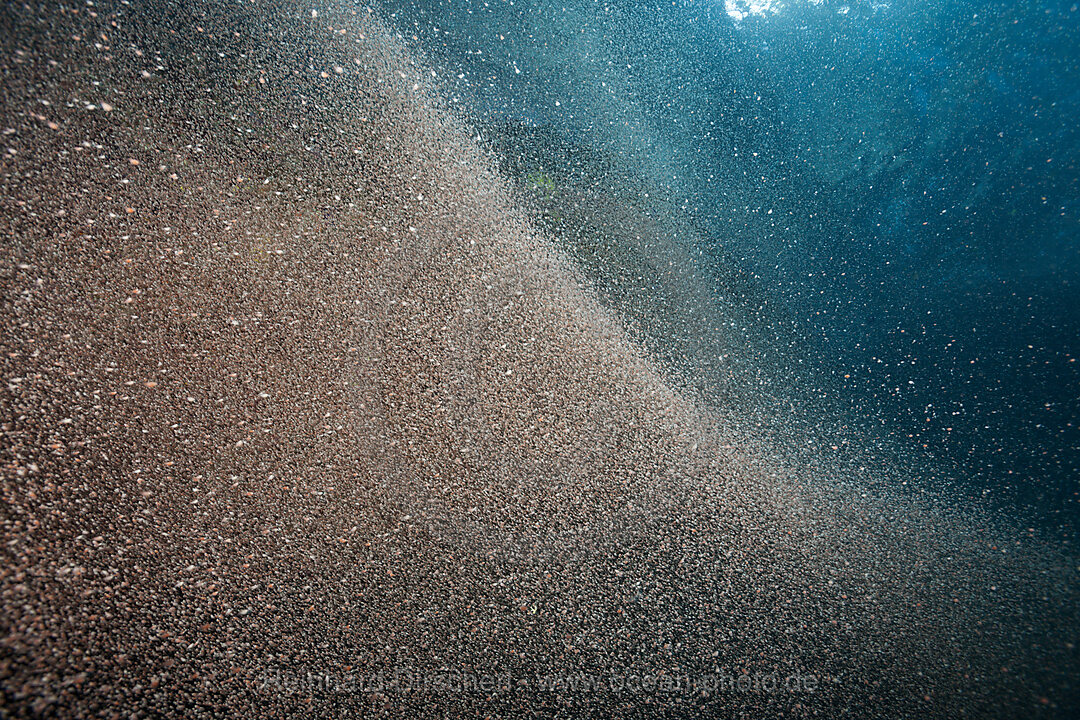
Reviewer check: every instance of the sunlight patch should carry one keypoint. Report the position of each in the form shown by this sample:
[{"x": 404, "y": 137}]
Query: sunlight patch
[{"x": 742, "y": 9}]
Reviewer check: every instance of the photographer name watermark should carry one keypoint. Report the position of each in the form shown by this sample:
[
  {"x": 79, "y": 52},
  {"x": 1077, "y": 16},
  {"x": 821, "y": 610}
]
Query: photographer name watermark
[{"x": 412, "y": 680}]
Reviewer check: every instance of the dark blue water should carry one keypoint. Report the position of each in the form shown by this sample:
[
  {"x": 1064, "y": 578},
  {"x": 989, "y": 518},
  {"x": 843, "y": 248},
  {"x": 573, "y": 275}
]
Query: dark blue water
[{"x": 896, "y": 183}]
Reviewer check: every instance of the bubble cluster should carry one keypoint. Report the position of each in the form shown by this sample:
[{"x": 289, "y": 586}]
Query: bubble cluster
[{"x": 297, "y": 388}]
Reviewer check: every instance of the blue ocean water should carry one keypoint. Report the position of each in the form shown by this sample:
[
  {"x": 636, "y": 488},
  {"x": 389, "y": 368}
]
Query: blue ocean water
[
  {"x": 897, "y": 182},
  {"x": 505, "y": 358}
]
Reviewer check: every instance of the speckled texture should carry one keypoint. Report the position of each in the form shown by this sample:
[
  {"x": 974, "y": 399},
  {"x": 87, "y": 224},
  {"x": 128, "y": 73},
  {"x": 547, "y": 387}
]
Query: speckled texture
[{"x": 292, "y": 387}]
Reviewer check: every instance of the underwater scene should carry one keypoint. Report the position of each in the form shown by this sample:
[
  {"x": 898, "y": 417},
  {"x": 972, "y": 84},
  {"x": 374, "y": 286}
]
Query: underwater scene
[{"x": 534, "y": 358}]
